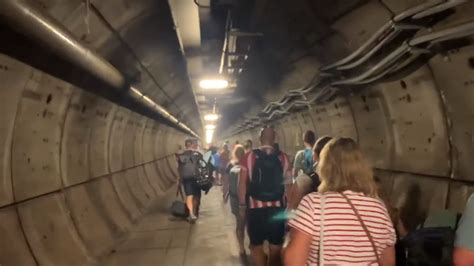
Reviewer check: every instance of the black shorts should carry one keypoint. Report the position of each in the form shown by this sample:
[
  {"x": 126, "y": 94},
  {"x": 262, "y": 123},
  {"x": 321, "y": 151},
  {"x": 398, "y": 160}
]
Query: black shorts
[
  {"x": 191, "y": 188},
  {"x": 266, "y": 224}
]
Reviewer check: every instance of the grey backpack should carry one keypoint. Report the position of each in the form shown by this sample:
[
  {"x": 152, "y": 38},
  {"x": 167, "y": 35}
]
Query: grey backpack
[{"x": 188, "y": 164}]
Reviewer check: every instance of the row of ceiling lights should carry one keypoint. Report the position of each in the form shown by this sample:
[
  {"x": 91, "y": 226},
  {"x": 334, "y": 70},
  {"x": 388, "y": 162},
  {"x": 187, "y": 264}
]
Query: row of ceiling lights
[{"x": 212, "y": 84}]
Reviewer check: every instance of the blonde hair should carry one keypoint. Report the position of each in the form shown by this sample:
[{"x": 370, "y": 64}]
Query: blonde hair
[
  {"x": 343, "y": 167},
  {"x": 238, "y": 153}
]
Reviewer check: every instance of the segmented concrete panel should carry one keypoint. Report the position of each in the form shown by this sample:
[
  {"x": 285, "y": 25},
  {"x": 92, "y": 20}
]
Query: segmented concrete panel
[
  {"x": 296, "y": 135},
  {"x": 37, "y": 136},
  {"x": 75, "y": 140},
  {"x": 13, "y": 247},
  {"x": 419, "y": 125},
  {"x": 116, "y": 139},
  {"x": 14, "y": 76},
  {"x": 306, "y": 121},
  {"x": 173, "y": 165},
  {"x": 320, "y": 116},
  {"x": 458, "y": 195},
  {"x": 288, "y": 135},
  {"x": 149, "y": 157},
  {"x": 103, "y": 118},
  {"x": 128, "y": 146},
  {"x": 373, "y": 129},
  {"x": 457, "y": 90},
  {"x": 91, "y": 225},
  {"x": 138, "y": 158},
  {"x": 416, "y": 196},
  {"x": 53, "y": 237},
  {"x": 359, "y": 25},
  {"x": 341, "y": 119},
  {"x": 125, "y": 196},
  {"x": 139, "y": 195},
  {"x": 103, "y": 195}
]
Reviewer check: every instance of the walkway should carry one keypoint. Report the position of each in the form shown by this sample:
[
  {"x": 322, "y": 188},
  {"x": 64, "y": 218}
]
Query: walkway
[{"x": 159, "y": 239}]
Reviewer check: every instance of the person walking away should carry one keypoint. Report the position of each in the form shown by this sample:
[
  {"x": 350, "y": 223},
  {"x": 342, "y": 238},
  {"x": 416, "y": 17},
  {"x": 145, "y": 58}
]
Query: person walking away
[
  {"x": 248, "y": 149},
  {"x": 236, "y": 170},
  {"x": 188, "y": 169},
  {"x": 224, "y": 158},
  {"x": 248, "y": 146},
  {"x": 463, "y": 254},
  {"x": 216, "y": 163},
  {"x": 302, "y": 167},
  {"x": 309, "y": 181},
  {"x": 304, "y": 158},
  {"x": 262, "y": 191},
  {"x": 345, "y": 222}
]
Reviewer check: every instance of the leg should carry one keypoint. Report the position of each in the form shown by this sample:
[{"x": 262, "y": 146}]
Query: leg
[
  {"x": 196, "y": 203},
  {"x": 240, "y": 233},
  {"x": 256, "y": 231},
  {"x": 258, "y": 256},
  {"x": 189, "y": 204},
  {"x": 276, "y": 236},
  {"x": 275, "y": 256}
]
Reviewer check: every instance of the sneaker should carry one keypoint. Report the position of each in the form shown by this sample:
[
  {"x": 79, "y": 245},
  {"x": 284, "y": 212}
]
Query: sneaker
[{"x": 192, "y": 219}]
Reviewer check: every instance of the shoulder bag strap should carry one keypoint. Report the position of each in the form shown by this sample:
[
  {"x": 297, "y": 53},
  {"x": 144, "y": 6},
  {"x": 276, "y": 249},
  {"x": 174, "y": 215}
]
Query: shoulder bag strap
[
  {"x": 179, "y": 192},
  {"x": 321, "y": 233},
  {"x": 364, "y": 227}
]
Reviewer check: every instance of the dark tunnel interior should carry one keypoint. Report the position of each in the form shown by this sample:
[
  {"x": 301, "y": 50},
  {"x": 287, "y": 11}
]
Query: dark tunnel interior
[{"x": 97, "y": 96}]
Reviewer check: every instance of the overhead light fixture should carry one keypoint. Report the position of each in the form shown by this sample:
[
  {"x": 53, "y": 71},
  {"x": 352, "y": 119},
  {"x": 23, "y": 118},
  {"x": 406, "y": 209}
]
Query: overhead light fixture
[
  {"x": 209, "y": 135},
  {"x": 210, "y": 127},
  {"x": 214, "y": 84},
  {"x": 211, "y": 117}
]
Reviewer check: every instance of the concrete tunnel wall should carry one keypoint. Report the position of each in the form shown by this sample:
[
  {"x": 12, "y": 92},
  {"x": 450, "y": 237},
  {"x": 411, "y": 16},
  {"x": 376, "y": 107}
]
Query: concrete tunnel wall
[
  {"x": 76, "y": 170},
  {"x": 417, "y": 132}
]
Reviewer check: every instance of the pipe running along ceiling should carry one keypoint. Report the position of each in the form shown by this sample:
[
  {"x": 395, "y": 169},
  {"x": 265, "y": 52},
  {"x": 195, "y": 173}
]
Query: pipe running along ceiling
[{"x": 97, "y": 96}]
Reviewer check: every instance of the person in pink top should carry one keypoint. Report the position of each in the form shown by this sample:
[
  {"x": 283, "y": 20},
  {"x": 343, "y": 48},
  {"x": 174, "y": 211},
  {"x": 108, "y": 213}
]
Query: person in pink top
[{"x": 345, "y": 222}]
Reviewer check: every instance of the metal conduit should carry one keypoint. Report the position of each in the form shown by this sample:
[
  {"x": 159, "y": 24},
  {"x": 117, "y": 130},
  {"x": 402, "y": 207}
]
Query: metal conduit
[
  {"x": 31, "y": 21},
  {"x": 407, "y": 47},
  {"x": 386, "y": 66}
]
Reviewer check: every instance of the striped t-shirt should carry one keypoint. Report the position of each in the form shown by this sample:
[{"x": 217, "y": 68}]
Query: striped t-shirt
[{"x": 345, "y": 241}]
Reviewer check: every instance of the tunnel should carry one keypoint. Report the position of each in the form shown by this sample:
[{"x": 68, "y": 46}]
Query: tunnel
[{"x": 97, "y": 97}]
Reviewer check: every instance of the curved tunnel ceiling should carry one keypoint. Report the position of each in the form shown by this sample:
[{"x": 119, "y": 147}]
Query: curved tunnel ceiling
[{"x": 77, "y": 170}]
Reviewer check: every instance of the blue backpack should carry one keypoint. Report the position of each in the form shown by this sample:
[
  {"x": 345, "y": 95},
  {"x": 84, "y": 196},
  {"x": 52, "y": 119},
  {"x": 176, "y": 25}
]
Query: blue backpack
[{"x": 308, "y": 161}]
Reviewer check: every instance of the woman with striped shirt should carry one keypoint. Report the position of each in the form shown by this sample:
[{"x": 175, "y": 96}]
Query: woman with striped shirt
[{"x": 344, "y": 223}]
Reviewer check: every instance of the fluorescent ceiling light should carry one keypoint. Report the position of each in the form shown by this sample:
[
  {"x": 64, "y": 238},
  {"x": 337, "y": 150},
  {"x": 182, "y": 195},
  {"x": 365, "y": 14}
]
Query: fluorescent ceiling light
[
  {"x": 209, "y": 135},
  {"x": 211, "y": 117},
  {"x": 215, "y": 84},
  {"x": 210, "y": 127}
]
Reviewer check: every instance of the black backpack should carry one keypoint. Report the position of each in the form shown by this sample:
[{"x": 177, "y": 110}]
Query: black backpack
[
  {"x": 204, "y": 178},
  {"x": 427, "y": 247},
  {"x": 267, "y": 177},
  {"x": 188, "y": 164}
]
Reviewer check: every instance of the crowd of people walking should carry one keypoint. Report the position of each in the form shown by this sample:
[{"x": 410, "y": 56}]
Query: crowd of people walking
[{"x": 325, "y": 208}]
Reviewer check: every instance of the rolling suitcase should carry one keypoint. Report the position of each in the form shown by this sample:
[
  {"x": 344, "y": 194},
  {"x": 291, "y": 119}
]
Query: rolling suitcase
[{"x": 178, "y": 207}]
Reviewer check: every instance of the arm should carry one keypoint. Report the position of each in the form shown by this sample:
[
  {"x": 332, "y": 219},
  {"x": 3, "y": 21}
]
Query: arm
[
  {"x": 297, "y": 251},
  {"x": 463, "y": 254},
  {"x": 297, "y": 166},
  {"x": 287, "y": 175},
  {"x": 387, "y": 258},
  {"x": 178, "y": 178},
  {"x": 243, "y": 182}
]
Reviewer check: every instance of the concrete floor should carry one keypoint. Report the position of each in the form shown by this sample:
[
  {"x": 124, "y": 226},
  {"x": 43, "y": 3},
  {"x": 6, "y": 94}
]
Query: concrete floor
[{"x": 160, "y": 239}]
